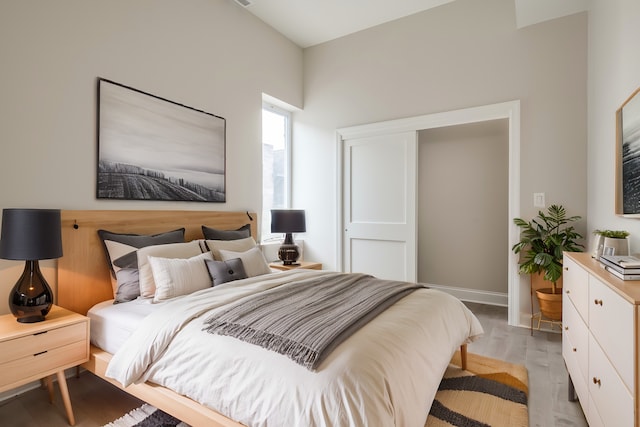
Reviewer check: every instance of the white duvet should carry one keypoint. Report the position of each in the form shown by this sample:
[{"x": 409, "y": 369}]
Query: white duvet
[{"x": 386, "y": 374}]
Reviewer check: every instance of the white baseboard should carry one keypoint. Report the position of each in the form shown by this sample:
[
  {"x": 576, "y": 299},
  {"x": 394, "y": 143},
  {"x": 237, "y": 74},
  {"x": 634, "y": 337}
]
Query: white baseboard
[
  {"x": 17, "y": 391},
  {"x": 71, "y": 372},
  {"x": 475, "y": 295},
  {"x": 491, "y": 298}
]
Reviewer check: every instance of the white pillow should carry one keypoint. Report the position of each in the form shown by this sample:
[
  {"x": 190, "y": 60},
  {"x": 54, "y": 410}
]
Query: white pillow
[
  {"x": 253, "y": 261},
  {"x": 239, "y": 245},
  {"x": 170, "y": 250},
  {"x": 175, "y": 276}
]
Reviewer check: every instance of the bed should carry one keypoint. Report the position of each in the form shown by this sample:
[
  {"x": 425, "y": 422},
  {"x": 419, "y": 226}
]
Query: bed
[{"x": 249, "y": 385}]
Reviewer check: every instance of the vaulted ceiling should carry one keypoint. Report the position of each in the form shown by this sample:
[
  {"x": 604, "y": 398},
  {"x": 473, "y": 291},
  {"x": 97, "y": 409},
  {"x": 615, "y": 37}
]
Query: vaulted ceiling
[{"x": 311, "y": 22}]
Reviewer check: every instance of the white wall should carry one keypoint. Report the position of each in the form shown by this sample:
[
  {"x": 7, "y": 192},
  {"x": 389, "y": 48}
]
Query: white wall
[
  {"x": 208, "y": 54},
  {"x": 463, "y": 54},
  {"x": 614, "y": 73},
  {"x": 463, "y": 205}
]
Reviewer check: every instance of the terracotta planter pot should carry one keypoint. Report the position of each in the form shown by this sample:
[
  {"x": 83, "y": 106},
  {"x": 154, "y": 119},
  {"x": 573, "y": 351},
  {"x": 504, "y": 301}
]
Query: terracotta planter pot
[{"x": 550, "y": 303}]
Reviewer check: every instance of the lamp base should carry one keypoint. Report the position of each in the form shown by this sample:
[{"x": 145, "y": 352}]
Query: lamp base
[
  {"x": 31, "y": 298},
  {"x": 30, "y": 319},
  {"x": 288, "y": 254}
]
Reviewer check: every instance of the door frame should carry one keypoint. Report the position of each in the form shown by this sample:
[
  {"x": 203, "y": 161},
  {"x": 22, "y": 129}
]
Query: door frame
[{"x": 509, "y": 110}]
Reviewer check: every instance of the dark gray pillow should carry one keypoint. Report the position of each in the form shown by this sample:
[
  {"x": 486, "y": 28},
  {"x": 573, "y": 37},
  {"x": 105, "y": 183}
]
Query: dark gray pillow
[
  {"x": 215, "y": 234},
  {"x": 136, "y": 241},
  {"x": 129, "y": 260},
  {"x": 123, "y": 262},
  {"x": 225, "y": 271},
  {"x": 128, "y": 285}
]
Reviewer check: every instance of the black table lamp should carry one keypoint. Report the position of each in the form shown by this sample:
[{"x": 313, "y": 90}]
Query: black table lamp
[
  {"x": 288, "y": 221},
  {"x": 31, "y": 235}
]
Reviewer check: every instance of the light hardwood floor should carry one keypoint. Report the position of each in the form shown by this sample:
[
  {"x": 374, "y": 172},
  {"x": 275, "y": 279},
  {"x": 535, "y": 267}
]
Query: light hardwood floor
[
  {"x": 542, "y": 355},
  {"x": 96, "y": 402}
]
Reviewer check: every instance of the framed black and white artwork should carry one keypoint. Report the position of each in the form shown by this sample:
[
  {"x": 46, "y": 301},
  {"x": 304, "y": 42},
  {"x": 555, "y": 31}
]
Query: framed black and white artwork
[
  {"x": 150, "y": 148},
  {"x": 628, "y": 158}
]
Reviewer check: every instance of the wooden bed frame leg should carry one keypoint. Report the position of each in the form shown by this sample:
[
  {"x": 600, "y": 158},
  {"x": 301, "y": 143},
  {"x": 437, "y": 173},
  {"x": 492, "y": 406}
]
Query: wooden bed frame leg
[{"x": 463, "y": 356}]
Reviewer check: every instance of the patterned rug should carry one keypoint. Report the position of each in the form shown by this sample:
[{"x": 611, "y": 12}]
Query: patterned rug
[
  {"x": 147, "y": 416},
  {"x": 490, "y": 393}
]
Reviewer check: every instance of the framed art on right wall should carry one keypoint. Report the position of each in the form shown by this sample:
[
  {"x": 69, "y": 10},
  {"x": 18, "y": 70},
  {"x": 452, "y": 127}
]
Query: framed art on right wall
[{"x": 628, "y": 156}]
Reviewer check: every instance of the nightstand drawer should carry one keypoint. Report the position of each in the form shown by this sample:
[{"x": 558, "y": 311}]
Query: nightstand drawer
[
  {"x": 36, "y": 366},
  {"x": 27, "y": 346}
]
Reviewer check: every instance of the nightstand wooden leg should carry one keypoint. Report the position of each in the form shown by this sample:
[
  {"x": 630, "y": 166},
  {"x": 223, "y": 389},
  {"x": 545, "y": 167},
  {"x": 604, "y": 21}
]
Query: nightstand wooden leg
[
  {"x": 64, "y": 391},
  {"x": 48, "y": 382}
]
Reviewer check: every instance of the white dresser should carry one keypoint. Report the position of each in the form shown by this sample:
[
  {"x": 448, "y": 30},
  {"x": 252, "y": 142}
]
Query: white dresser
[{"x": 600, "y": 341}]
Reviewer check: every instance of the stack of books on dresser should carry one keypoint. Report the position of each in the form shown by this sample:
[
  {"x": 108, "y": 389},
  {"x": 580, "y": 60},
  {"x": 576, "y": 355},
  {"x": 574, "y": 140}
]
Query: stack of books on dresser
[{"x": 626, "y": 267}]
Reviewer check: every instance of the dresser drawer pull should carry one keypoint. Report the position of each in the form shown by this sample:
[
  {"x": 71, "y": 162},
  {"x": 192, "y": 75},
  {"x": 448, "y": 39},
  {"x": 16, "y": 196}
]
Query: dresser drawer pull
[
  {"x": 40, "y": 333},
  {"x": 597, "y": 302},
  {"x": 575, "y": 349},
  {"x": 596, "y": 381},
  {"x": 38, "y": 354}
]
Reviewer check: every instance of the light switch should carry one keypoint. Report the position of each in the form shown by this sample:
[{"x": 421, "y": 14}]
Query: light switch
[{"x": 538, "y": 200}]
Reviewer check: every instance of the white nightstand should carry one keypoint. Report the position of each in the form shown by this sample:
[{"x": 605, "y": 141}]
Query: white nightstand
[{"x": 33, "y": 351}]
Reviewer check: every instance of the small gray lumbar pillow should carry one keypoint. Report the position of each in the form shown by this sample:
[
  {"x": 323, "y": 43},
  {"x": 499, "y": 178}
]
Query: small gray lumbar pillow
[
  {"x": 210, "y": 233},
  {"x": 225, "y": 271},
  {"x": 253, "y": 261}
]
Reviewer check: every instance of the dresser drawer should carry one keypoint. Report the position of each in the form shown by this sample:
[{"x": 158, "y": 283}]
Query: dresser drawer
[
  {"x": 29, "y": 345},
  {"x": 578, "y": 377},
  {"x": 36, "y": 366},
  {"x": 576, "y": 335},
  {"x": 575, "y": 283},
  {"x": 611, "y": 321},
  {"x": 611, "y": 398},
  {"x": 593, "y": 417}
]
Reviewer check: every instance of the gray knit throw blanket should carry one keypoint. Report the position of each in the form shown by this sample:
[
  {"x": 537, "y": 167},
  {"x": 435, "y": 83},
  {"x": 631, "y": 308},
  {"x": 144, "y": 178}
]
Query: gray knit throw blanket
[{"x": 306, "y": 319}]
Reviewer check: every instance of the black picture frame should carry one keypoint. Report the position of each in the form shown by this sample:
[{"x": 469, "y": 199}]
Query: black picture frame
[{"x": 150, "y": 148}]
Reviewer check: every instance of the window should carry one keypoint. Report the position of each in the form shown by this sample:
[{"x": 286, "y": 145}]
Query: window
[{"x": 276, "y": 165}]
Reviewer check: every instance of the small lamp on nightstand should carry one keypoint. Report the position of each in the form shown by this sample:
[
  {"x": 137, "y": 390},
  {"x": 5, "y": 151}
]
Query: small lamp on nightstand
[
  {"x": 288, "y": 221},
  {"x": 31, "y": 235}
]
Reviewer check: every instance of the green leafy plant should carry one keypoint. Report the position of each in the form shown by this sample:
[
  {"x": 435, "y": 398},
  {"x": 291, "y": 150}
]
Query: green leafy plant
[
  {"x": 614, "y": 234},
  {"x": 542, "y": 241}
]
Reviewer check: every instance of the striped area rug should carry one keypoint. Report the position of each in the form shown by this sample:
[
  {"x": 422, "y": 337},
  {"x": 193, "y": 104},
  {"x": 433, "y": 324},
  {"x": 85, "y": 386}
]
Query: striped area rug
[
  {"x": 147, "y": 416},
  {"x": 490, "y": 392}
]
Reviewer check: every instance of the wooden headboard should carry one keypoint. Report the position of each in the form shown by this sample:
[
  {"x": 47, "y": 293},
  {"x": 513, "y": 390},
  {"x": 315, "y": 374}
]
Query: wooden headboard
[{"x": 83, "y": 274}]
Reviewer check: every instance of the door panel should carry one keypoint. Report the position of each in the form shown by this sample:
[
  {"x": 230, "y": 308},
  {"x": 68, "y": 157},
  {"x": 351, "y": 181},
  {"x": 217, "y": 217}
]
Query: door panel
[
  {"x": 381, "y": 258},
  {"x": 380, "y": 205}
]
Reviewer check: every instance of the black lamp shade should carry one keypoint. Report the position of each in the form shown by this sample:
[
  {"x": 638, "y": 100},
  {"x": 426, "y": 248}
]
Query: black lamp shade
[
  {"x": 288, "y": 221},
  {"x": 31, "y": 235}
]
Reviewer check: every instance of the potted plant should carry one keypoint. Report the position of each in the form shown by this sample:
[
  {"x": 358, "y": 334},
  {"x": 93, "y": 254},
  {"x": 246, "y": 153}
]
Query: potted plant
[
  {"x": 615, "y": 239},
  {"x": 542, "y": 242}
]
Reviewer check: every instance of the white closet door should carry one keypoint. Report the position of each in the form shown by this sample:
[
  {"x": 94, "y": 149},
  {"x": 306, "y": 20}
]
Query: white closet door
[{"x": 380, "y": 205}]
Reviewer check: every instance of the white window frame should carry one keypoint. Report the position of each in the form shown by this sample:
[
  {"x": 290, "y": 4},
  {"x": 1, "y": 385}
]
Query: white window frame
[{"x": 266, "y": 234}]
